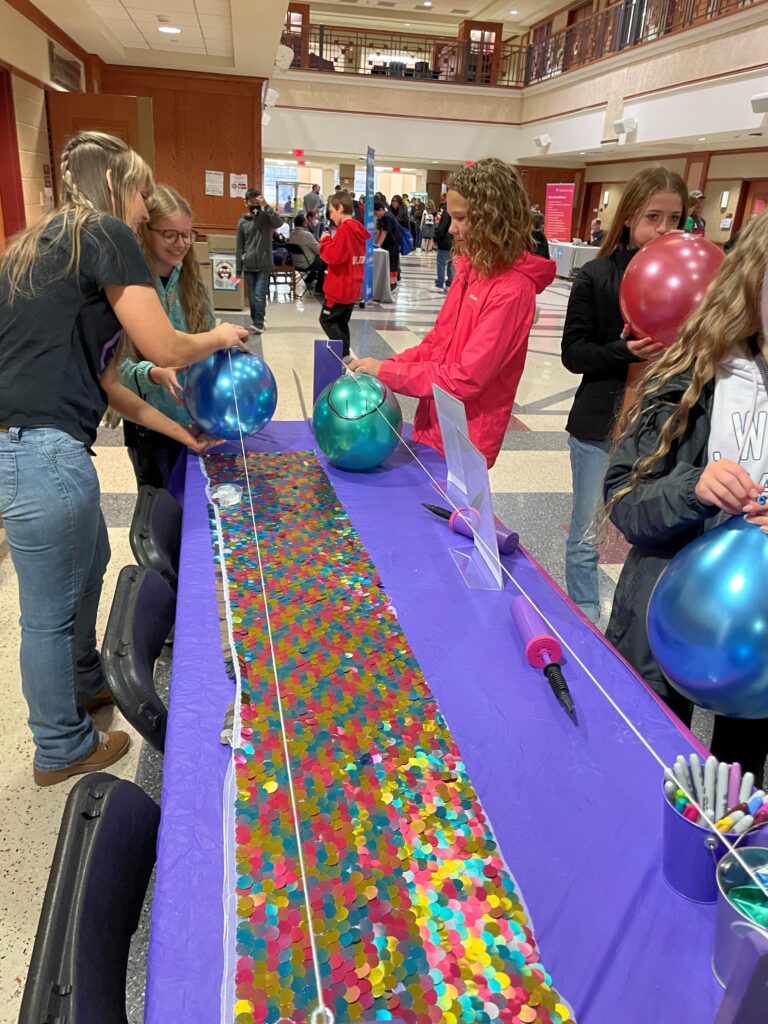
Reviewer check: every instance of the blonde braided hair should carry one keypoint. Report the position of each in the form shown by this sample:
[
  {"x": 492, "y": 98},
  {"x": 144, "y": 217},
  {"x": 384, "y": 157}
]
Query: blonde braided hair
[{"x": 100, "y": 175}]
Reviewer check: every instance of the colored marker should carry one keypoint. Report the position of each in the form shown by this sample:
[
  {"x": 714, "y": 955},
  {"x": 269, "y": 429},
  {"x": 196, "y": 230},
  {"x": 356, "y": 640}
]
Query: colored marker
[
  {"x": 698, "y": 778},
  {"x": 669, "y": 791},
  {"x": 721, "y": 790},
  {"x": 726, "y": 824},
  {"x": 744, "y": 808},
  {"x": 682, "y": 774},
  {"x": 747, "y": 782},
  {"x": 734, "y": 784},
  {"x": 691, "y": 813},
  {"x": 744, "y": 824},
  {"x": 710, "y": 771},
  {"x": 761, "y": 816},
  {"x": 756, "y": 801}
]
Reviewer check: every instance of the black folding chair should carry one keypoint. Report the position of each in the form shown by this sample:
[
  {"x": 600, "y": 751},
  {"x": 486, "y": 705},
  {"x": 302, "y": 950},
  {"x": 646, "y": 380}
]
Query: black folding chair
[
  {"x": 295, "y": 250},
  {"x": 103, "y": 862},
  {"x": 141, "y": 617},
  {"x": 155, "y": 533}
]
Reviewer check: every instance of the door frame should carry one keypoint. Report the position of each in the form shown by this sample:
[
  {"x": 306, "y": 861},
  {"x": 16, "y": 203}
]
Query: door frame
[{"x": 11, "y": 190}]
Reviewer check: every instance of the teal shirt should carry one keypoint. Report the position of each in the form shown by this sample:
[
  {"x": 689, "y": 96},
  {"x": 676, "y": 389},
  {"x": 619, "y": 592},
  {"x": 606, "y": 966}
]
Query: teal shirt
[{"x": 136, "y": 375}]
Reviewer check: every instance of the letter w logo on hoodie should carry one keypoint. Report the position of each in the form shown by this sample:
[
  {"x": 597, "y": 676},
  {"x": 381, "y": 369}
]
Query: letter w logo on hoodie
[{"x": 755, "y": 441}]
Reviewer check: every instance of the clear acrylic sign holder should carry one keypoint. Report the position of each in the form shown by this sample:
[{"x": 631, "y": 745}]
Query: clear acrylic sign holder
[
  {"x": 452, "y": 418},
  {"x": 481, "y": 570}
]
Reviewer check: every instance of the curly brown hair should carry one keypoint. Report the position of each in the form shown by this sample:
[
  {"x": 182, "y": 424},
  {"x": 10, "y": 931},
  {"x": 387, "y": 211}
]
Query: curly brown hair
[{"x": 498, "y": 215}]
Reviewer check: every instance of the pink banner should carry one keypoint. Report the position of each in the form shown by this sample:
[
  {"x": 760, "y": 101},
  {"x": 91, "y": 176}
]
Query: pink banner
[{"x": 558, "y": 212}]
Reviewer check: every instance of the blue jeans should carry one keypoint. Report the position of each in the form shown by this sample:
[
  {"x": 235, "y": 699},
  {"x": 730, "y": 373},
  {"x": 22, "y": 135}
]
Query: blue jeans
[
  {"x": 589, "y": 463},
  {"x": 258, "y": 286},
  {"x": 49, "y": 503},
  {"x": 444, "y": 268}
]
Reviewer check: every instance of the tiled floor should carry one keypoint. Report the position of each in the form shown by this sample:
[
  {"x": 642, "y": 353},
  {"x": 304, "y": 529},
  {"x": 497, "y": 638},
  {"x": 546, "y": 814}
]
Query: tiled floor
[{"x": 531, "y": 483}]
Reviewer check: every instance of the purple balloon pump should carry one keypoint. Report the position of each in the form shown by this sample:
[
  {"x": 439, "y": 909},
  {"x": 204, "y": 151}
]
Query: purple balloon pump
[
  {"x": 459, "y": 520},
  {"x": 541, "y": 649}
]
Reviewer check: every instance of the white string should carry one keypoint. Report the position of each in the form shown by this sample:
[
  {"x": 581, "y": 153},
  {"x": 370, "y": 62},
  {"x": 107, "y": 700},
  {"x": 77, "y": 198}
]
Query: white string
[
  {"x": 481, "y": 543},
  {"x": 321, "y": 1013}
]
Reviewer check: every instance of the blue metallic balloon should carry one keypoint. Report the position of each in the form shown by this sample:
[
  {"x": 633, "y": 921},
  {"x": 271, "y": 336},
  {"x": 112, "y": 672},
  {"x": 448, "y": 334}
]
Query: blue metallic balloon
[
  {"x": 212, "y": 385},
  {"x": 708, "y": 620},
  {"x": 357, "y": 420}
]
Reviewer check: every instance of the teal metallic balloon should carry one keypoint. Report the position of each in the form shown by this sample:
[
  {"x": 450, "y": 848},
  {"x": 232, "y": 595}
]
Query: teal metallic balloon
[
  {"x": 226, "y": 397},
  {"x": 357, "y": 421},
  {"x": 708, "y": 620}
]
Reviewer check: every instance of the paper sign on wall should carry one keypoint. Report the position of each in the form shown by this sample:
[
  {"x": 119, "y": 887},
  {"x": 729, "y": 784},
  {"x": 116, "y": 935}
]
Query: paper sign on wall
[
  {"x": 214, "y": 183},
  {"x": 238, "y": 185},
  {"x": 223, "y": 272},
  {"x": 558, "y": 211}
]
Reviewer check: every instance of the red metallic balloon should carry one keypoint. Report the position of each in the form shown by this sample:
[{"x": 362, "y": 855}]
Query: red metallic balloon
[{"x": 665, "y": 282}]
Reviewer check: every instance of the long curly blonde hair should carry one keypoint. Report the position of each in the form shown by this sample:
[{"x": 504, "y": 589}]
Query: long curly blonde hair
[
  {"x": 91, "y": 162},
  {"x": 728, "y": 316},
  {"x": 498, "y": 215}
]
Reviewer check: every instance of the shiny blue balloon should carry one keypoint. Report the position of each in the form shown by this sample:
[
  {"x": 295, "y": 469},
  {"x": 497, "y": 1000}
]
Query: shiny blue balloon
[
  {"x": 708, "y": 620},
  {"x": 356, "y": 421},
  {"x": 225, "y": 398}
]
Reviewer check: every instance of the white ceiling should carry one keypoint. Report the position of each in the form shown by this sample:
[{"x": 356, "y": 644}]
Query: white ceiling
[
  {"x": 206, "y": 25},
  {"x": 442, "y": 18}
]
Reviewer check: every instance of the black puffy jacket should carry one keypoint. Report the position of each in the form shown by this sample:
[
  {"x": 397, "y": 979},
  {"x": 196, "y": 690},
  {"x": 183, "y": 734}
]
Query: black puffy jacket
[
  {"x": 592, "y": 345},
  {"x": 659, "y": 517}
]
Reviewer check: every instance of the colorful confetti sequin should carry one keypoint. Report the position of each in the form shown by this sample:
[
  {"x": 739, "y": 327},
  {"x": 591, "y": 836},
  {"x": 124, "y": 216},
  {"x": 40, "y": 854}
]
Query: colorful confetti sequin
[{"x": 416, "y": 916}]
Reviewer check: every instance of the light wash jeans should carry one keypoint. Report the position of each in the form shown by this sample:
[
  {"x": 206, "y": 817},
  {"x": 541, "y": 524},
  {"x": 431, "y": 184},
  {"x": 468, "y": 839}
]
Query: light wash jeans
[
  {"x": 444, "y": 269},
  {"x": 49, "y": 503},
  {"x": 589, "y": 463},
  {"x": 258, "y": 286}
]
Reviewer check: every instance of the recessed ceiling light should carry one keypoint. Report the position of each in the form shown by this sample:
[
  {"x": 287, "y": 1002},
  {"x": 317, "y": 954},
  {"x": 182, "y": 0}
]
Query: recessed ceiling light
[
  {"x": 703, "y": 138},
  {"x": 583, "y": 152},
  {"x": 513, "y": 12},
  {"x": 407, "y": 24},
  {"x": 435, "y": 161},
  {"x": 427, "y": 3},
  {"x": 169, "y": 30}
]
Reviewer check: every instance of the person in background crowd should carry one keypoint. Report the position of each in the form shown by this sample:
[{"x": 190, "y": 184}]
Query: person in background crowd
[
  {"x": 694, "y": 222},
  {"x": 476, "y": 350},
  {"x": 417, "y": 212},
  {"x": 444, "y": 242},
  {"x": 254, "y": 253},
  {"x": 428, "y": 227},
  {"x": 69, "y": 285},
  {"x": 167, "y": 241},
  {"x": 310, "y": 258},
  {"x": 539, "y": 238},
  {"x": 344, "y": 256},
  {"x": 596, "y": 233},
  {"x": 386, "y": 236},
  {"x": 315, "y": 223},
  {"x": 313, "y": 200},
  {"x": 683, "y": 459},
  {"x": 535, "y": 208},
  {"x": 400, "y": 212},
  {"x": 596, "y": 344}
]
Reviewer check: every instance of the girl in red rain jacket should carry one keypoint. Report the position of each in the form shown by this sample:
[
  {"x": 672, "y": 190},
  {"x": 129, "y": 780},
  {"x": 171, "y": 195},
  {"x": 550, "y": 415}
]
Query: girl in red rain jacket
[
  {"x": 476, "y": 350},
  {"x": 344, "y": 256}
]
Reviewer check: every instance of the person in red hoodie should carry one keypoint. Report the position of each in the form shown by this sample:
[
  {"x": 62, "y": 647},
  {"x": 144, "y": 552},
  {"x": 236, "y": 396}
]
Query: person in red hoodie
[
  {"x": 344, "y": 255},
  {"x": 476, "y": 350}
]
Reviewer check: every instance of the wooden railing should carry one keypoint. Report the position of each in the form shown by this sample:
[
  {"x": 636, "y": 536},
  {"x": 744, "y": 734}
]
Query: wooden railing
[{"x": 619, "y": 27}]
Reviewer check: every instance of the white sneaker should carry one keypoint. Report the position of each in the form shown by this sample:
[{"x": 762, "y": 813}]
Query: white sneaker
[
  {"x": 256, "y": 330},
  {"x": 436, "y": 288}
]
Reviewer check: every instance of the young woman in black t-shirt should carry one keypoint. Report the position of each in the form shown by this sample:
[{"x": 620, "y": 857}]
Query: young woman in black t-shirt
[{"x": 68, "y": 287}]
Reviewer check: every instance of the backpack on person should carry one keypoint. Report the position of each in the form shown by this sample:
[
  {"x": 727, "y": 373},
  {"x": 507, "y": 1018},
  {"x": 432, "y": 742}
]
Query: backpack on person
[{"x": 405, "y": 239}]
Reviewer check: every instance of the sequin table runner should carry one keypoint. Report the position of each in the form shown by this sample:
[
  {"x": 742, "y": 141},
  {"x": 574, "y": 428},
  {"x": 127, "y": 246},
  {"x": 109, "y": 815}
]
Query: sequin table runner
[{"x": 416, "y": 915}]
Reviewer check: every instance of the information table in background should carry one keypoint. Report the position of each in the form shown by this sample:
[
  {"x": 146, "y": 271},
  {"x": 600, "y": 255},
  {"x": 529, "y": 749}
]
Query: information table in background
[
  {"x": 570, "y": 258},
  {"x": 576, "y": 805}
]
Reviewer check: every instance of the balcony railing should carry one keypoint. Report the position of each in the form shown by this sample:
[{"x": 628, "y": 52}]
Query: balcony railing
[{"x": 617, "y": 28}]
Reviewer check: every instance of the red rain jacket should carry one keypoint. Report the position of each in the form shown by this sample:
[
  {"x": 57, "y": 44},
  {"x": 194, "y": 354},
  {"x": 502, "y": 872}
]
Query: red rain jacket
[
  {"x": 476, "y": 351},
  {"x": 344, "y": 256}
]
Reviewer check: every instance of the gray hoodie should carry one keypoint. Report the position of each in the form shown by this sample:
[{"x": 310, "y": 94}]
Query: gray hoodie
[{"x": 254, "y": 240}]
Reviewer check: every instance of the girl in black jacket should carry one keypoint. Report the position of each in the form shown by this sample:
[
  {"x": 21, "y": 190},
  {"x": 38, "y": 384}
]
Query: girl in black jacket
[
  {"x": 671, "y": 472},
  {"x": 596, "y": 344}
]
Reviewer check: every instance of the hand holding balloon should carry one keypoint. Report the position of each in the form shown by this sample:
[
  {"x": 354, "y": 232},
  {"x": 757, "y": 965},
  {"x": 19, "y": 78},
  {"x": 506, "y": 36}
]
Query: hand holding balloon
[
  {"x": 368, "y": 365},
  {"x": 643, "y": 348},
  {"x": 728, "y": 486},
  {"x": 231, "y": 336},
  {"x": 166, "y": 377},
  {"x": 198, "y": 441}
]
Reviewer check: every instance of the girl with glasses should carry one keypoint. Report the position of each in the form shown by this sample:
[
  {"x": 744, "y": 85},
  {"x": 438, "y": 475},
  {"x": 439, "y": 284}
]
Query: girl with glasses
[{"x": 167, "y": 241}]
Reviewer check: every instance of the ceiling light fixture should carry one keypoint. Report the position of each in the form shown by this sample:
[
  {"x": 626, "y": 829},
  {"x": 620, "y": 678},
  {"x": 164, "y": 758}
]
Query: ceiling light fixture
[
  {"x": 703, "y": 138},
  {"x": 169, "y": 30},
  {"x": 513, "y": 12},
  {"x": 427, "y": 3}
]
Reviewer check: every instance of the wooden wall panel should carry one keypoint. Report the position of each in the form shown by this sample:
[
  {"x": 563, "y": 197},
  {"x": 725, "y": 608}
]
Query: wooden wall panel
[
  {"x": 202, "y": 122},
  {"x": 536, "y": 179}
]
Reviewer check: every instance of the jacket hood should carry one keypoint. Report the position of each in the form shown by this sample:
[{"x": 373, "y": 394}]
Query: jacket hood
[
  {"x": 539, "y": 270},
  {"x": 356, "y": 228}
]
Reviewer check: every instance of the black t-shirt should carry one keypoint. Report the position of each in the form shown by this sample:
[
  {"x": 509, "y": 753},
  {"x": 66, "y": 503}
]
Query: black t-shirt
[
  {"x": 388, "y": 223},
  {"x": 56, "y": 344}
]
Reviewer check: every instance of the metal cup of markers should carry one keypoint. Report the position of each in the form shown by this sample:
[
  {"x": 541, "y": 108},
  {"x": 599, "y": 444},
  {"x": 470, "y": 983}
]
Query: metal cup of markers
[
  {"x": 691, "y": 853},
  {"x": 739, "y": 942}
]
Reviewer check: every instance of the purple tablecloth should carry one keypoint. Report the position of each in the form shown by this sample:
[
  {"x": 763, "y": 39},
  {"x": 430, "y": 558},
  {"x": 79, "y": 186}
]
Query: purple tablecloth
[{"x": 576, "y": 807}]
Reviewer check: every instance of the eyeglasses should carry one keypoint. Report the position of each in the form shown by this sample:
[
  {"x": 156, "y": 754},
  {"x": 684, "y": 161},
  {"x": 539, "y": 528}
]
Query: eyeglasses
[{"x": 172, "y": 237}]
